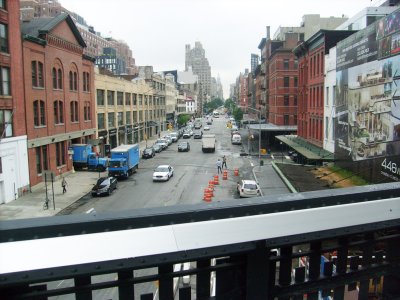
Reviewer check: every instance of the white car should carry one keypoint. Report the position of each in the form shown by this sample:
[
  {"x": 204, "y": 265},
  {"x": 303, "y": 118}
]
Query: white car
[
  {"x": 163, "y": 173},
  {"x": 206, "y": 128},
  {"x": 248, "y": 188}
]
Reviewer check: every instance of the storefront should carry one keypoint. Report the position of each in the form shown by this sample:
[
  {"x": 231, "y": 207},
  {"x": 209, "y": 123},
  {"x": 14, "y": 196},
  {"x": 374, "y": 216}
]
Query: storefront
[
  {"x": 121, "y": 135},
  {"x": 112, "y": 135}
]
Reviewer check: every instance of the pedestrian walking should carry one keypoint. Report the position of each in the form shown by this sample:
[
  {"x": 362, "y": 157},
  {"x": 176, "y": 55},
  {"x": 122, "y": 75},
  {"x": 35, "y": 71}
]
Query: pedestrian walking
[
  {"x": 219, "y": 166},
  {"x": 224, "y": 162},
  {"x": 64, "y": 185}
]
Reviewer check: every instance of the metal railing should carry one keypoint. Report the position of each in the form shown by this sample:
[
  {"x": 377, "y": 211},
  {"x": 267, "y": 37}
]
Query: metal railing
[{"x": 327, "y": 243}]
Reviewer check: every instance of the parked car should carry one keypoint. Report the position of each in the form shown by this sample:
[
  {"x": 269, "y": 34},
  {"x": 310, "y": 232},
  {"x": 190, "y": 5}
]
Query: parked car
[
  {"x": 236, "y": 139},
  {"x": 148, "y": 152},
  {"x": 174, "y": 136},
  {"x": 248, "y": 188},
  {"x": 206, "y": 128},
  {"x": 163, "y": 143},
  {"x": 168, "y": 139},
  {"x": 183, "y": 146},
  {"x": 186, "y": 135},
  {"x": 104, "y": 186},
  {"x": 157, "y": 148},
  {"x": 198, "y": 134},
  {"x": 163, "y": 173}
]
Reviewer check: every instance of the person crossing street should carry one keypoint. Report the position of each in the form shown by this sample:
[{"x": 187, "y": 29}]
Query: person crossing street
[
  {"x": 219, "y": 166},
  {"x": 224, "y": 162}
]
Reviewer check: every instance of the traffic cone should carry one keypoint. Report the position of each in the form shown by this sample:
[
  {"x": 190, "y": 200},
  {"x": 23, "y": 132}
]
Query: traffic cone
[{"x": 225, "y": 175}]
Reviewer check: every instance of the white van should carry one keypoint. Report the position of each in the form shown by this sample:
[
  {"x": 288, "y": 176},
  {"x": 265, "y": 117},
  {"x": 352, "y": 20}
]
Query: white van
[{"x": 236, "y": 139}]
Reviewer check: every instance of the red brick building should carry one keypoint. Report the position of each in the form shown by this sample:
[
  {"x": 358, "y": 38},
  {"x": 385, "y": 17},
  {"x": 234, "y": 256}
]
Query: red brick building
[
  {"x": 282, "y": 81},
  {"x": 243, "y": 91},
  {"x": 59, "y": 93},
  {"x": 311, "y": 54},
  {"x": 14, "y": 177}
]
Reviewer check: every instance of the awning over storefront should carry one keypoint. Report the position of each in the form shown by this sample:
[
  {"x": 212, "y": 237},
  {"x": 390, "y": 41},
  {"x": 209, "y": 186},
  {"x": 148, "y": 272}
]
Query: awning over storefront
[
  {"x": 305, "y": 148},
  {"x": 272, "y": 127}
]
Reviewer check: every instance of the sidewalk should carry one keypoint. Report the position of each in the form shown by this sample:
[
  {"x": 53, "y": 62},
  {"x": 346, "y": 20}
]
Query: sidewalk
[{"x": 80, "y": 183}]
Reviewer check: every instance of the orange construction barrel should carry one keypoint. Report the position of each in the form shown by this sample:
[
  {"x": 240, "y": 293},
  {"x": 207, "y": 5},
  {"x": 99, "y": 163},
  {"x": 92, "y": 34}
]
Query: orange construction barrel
[
  {"x": 216, "y": 180},
  {"x": 236, "y": 172},
  {"x": 225, "y": 175}
]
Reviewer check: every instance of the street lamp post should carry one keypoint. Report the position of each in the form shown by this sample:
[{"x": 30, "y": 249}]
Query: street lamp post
[{"x": 259, "y": 134}]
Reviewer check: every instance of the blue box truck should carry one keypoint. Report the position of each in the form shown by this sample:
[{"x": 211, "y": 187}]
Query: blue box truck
[
  {"x": 124, "y": 160},
  {"x": 84, "y": 157}
]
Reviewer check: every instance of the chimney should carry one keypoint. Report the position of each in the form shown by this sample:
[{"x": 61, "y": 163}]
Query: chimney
[{"x": 268, "y": 33}]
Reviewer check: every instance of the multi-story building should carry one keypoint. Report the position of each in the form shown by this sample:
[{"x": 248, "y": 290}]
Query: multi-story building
[
  {"x": 243, "y": 100},
  {"x": 282, "y": 81},
  {"x": 59, "y": 98},
  {"x": 95, "y": 43},
  {"x": 196, "y": 59},
  {"x": 309, "y": 25},
  {"x": 14, "y": 171},
  {"x": 254, "y": 62},
  {"x": 311, "y": 55},
  {"x": 128, "y": 111}
]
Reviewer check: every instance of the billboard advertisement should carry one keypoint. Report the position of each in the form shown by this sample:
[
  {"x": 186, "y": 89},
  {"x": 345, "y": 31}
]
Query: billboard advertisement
[{"x": 367, "y": 125}]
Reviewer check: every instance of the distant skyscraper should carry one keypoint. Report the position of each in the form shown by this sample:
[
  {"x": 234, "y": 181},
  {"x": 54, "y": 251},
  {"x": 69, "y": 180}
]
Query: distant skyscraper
[
  {"x": 254, "y": 62},
  {"x": 196, "y": 59}
]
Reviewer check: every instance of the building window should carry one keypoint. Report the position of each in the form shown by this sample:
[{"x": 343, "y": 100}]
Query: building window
[
  {"x": 295, "y": 119},
  {"x": 60, "y": 154},
  {"x": 286, "y": 64},
  {"x": 295, "y": 100},
  {"x": 286, "y": 120},
  {"x": 140, "y": 100},
  {"x": 86, "y": 111},
  {"x": 120, "y": 117},
  {"x": 73, "y": 81},
  {"x": 5, "y": 123},
  {"x": 3, "y": 4},
  {"x": 5, "y": 81},
  {"x": 58, "y": 112},
  {"x": 54, "y": 73},
  {"x": 295, "y": 81},
  {"x": 120, "y": 98},
  {"x": 39, "y": 117},
  {"x": 37, "y": 74},
  {"x": 3, "y": 38},
  {"x": 60, "y": 79},
  {"x": 128, "y": 99},
  {"x": 134, "y": 99},
  {"x": 128, "y": 117},
  {"x": 111, "y": 120},
  {"x": 110, "y": 98},
  {"x": 41, "y": 159},
  {"x": 286, "y": 81},
  {"x": 296, "y": 64},
  {"x": 327, "y": 95},
  {"x": 74, "y": 111},
  {"x": 100, "y": 121},
  {"x": 286, "y": 100},
  {"x": 86, "y": 82},
  {"x": 100, "y": 97}
]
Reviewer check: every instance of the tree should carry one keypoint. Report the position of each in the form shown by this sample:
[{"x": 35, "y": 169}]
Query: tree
[
  {"x": 182, "y": 119},
  {"x": 238, "y": 114},
  {"x": 213, "y": 105}
]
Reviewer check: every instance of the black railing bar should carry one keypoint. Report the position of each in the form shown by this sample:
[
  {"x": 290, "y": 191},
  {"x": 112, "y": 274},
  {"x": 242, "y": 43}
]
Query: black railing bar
[
  {"x": 330, "y": 282},
  {"x": 134, "y": 280}
]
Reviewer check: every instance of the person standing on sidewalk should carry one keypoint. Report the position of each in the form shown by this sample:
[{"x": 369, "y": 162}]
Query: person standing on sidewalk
[
  {"x": 224, "y": 162},
  {"x": 219, "y": 166},
  {"x": 64, "y": 185}
]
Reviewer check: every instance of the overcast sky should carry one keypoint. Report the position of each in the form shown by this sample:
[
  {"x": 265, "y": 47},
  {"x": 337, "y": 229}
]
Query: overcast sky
[{"x": 229, "y": 30}]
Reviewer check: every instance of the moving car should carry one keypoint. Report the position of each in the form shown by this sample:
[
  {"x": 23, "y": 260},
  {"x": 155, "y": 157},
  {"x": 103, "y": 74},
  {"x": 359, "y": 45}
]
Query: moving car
[
  {"x": 148, "y": 152},
  {"x": 198, "y": 134},
  {"x": 186, "y": 135},
  {"x": 248, "y": 188},
  {"x": 163, "y": 173},
  {"x": 183, "y": 146},
  {"x": 206, "y": 128},
  {"x": 236, "y": 139},
  {"x": 104, "y": 186}
]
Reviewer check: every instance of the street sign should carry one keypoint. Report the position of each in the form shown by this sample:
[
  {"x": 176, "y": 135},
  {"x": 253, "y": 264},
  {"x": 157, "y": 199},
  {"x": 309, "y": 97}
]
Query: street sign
[{"x": 48, "y": 175}]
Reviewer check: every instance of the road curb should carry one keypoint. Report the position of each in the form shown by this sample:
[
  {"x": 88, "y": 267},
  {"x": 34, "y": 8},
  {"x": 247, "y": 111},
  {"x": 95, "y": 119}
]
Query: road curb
[{"x": 283, "y": 177}]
